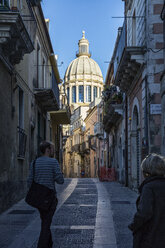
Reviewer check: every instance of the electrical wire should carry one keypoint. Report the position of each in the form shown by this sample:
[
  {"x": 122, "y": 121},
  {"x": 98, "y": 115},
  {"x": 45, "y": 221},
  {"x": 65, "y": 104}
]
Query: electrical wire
[
  {"x": 150, "y": 49},
  {"x": 162, "y": 15}
]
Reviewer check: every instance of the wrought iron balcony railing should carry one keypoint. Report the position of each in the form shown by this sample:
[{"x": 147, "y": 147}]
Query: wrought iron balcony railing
[
  {"x": 84, "y": 148},
  {"x": 128, "y": 61},
  {"x": 112, "y": 117},
  {"x": 120, "y": 48},
  {"x": 48, "y": 97},
  {"x": 76, "y": 148},
  {"x": 98, "y": 129}
]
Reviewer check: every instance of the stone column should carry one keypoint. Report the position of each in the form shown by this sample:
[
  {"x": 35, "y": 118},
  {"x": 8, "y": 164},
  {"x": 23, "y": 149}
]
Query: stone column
[
  {"x": 92, "y": 93},
  {"x": 77, "y": 100}
]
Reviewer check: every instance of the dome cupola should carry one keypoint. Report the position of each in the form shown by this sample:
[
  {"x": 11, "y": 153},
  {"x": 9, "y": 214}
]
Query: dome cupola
[{"x": 83, "y": 77}]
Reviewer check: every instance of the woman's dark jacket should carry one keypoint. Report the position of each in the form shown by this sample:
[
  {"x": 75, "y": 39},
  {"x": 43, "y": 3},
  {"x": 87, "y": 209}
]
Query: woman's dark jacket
[{"x": 148, "y": 226}]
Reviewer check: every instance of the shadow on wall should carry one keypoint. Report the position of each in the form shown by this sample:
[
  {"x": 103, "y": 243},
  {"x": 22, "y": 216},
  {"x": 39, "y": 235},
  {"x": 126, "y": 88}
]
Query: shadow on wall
[{"x": 10, "y": 193}]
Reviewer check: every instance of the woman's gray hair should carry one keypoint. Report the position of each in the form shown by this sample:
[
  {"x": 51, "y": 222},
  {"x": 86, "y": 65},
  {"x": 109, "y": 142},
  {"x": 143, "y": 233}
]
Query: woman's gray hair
[{"x": 154, "y": 165}]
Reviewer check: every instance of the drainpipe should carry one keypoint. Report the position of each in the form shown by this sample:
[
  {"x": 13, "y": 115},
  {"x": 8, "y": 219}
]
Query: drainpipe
[
  {"x": 147, "y": 135},
  {"x": 12, "y": 107},
  {"x": 126, "y": 114},
  {"x": 126, "y": 141},
  {"x": 146, "y": 114}
]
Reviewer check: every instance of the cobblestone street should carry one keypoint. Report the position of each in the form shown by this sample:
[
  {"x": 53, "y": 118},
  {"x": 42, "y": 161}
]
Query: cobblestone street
[{"x": 90, "y": 214}]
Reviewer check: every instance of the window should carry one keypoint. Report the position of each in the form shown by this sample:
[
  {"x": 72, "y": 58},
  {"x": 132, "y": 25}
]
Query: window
[
  {"x": 81, "y": 93},
  {"x": 43, "y": 73},
  {"x": 88, "y": 93},
  {"x": 21, "y": 109},
  {"x": 4, "y": 3},
  {"x": 19, "y": 4},
  {"x": 100, "y": 118},
  {"x": 94, "y": 92},
  {"x": 68, "y": 94},
  {"x": 74, "y": 94},
  {"x": 21, "y": 132},
  {"x": 83, "y": 49},
  {"x": 38, "y": 62}
]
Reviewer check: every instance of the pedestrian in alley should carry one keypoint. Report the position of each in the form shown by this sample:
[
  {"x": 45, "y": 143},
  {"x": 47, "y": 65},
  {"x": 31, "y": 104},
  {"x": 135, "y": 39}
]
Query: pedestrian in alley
[
  {"x": 148, "y": 225},
  {"x": 46, "y": 171}
]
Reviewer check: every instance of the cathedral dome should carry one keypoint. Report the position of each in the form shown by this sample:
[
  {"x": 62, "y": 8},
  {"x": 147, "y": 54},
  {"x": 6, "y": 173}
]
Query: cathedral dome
[
  {"x": 83, "y": 78},
  {"x": 83, "y": 67}
]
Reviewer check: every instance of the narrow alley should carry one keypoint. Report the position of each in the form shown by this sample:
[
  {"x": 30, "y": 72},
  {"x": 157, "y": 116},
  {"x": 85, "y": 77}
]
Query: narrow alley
[
  {"x": 82, "y": 97},
  {"x": 90, "y": 214}
]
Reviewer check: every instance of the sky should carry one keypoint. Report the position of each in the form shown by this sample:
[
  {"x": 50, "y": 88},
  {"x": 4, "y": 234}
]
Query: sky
[{"x": 68, "y": 18}]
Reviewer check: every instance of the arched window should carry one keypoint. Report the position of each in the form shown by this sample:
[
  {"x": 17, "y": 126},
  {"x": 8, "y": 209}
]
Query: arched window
[
  {"x": 74, "y": 94},
  {"x": 83, "y": 49},
  {"x": 68, "y": 94},
  {"x": 94, "y": 92},
  {"x": 88, "y": 93},
  {"x": 81, "y": 93}
]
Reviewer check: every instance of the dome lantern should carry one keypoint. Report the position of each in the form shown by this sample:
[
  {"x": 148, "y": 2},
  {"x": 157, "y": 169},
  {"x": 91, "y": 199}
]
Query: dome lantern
[{"x": 83, "y": 46}]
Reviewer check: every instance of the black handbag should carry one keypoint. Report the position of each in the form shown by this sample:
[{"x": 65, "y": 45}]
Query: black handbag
[{"x": 38, "y": 195}]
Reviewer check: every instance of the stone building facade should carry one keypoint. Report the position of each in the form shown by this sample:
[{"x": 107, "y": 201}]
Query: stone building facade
[
  {"x": 137, "y": 66},
  {"x": 89, "y": 146},
  {"x": 29, "y": 90},
  {"x": 162, "y": 46}
]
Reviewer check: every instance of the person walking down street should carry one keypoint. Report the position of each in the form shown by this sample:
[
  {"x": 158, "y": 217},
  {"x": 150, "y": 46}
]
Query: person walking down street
[
  {"x": 148, "y": 225},
  {"x": 47, "y": 172}
]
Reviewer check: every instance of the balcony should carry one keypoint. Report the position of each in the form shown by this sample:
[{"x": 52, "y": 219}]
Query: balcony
[
  {"x": 62, "y": 116},
  {"x": 15, "y": 41},
  {"x": 92, "y": 142},
  {"x": 98, "y": 129},
  {"x": 21, "y": 142},
  {"x": 128, "y": 62},
  {"x": 128, "y": 4},
  {"x": 68, "y": 149},
  {"x": 76, "y": 148},
  {"x": 112, "y": 116},
  {"x": 84, "y": 148},
  {"x": 48, "y": 98}
]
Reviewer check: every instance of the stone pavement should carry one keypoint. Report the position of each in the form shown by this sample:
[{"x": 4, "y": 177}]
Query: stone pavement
[
  {"x": 90, "y": 214},
  {"x": 123, "y": 206}
]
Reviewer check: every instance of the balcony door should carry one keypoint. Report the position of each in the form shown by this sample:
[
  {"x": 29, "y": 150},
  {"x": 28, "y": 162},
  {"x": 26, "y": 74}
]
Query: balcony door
[
  {"x": 134, "y": 29},
  {"x": 41, "y": 130},
  {"x": 135, "y": 149}
]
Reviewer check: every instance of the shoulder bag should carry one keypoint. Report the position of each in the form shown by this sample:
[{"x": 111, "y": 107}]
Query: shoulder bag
[{"x": 38, "y": 195}]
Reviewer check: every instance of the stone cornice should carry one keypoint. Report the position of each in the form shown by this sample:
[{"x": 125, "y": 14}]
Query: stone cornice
[{"x": 14, "y": 38}]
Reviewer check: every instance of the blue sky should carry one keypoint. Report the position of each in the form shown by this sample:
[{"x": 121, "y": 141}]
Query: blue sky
[{"x": 68, "y": 18}]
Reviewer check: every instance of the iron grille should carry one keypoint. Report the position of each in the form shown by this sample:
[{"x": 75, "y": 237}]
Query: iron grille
[{"x": 21, "y": 142}]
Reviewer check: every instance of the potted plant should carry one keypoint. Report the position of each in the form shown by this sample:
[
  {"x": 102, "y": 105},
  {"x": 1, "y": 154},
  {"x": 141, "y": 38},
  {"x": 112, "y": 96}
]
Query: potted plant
[{"x": 117, "y": 98}]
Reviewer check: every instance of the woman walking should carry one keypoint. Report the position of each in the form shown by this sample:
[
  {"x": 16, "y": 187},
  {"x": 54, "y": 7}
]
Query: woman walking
[{"x": 148, "y": 225}]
